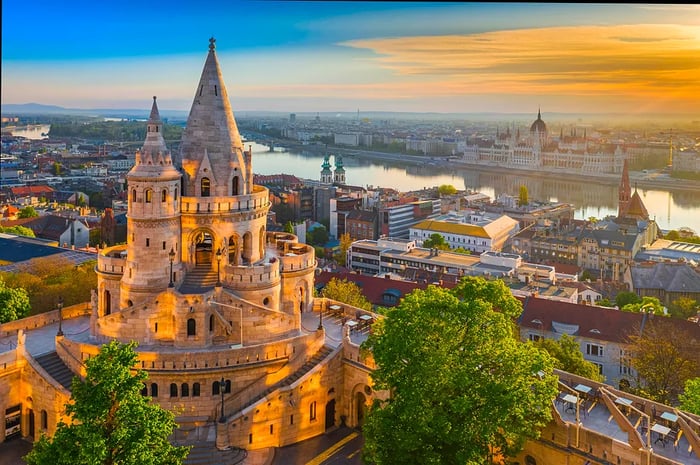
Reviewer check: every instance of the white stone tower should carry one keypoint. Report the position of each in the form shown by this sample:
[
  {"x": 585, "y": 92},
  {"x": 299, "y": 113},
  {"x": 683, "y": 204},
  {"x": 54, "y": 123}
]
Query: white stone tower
[
  {"x": 326, "y": 173},
  {"x": 153, "y": 218},
  {"x": 339, "y": 173}
]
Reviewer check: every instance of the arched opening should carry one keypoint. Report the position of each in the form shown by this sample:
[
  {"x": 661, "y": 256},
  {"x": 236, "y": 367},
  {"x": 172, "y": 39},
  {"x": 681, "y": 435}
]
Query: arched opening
[
  {"x": 191, "y": 327},
  {"x": 330, "y": 414},
  {"x": 144, "y": 390},
  {"x": 211, "y": 323},
  {"x": 234, "y": 186},
  {"x": 195, "y": 390},
  {"x": 205, "y": 187},
  {"x": 185, "y": 390},
  {"x": 163, "y": 195},
  {"x": 154, "y": 390},
  {"x": 360, "y": 409},
  {"x": 31, "y": 423},
  {"x": 301, "y": 300},
  {"x": 107, "y": 304},
  {"x": 247, "y": 247},
  {"x": 261, "y": 242},
  {"x": 173, "y": 390},
  {"x": 133, "y": 195},
  {"x": 215, "y": 386},
  {"x": 227, "y": 390},
  {"x": 201, "y": 248},
  {"x": 234, "y": 252},
  {"x": 175, "y": 196},
  {"x": 44, "y": 420},
  {"x": 149, "y": 195}
]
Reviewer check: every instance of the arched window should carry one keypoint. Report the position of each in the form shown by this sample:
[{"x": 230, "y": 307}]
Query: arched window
[
  {"x": 175, "y": 196},
  {"x": 133, "y": 195},
  {"x": 154, "y": 389},
  {"x": 234, "y": 188},
  {"x": 185, "y": 390},
  {"x": 191, "y": 327},
  {"x": 205, "y": 187},
  {"x": 215, "y": 388},
  {"x": 195, "y": 390},
  {"x": 44, "y": 420},
  {"x": 149, "y": 195},
  {"x": 107, "y": 302},
  {"x": 312, "y": 411},
  {"x": 228, "y": 387},
  {"x": 144, "y": 390},
  {"x": 211, "y": 323},
  {"x": 173, "y": 390},
  {"x": 163, "y": 195}
]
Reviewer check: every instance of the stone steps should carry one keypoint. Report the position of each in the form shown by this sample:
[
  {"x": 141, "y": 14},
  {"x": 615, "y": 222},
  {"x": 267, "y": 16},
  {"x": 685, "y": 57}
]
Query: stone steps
[
  {"x": 201, "y": 279},
  {"x": 55, "y": 367}
]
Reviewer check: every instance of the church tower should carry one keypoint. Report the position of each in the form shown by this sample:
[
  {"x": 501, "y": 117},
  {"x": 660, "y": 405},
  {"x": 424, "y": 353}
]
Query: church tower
[
  {"x": 326, "y": 173},
  {"x": 624, "y": 193},
  {"x": 339, "y": 174},
  {"x": 153, "y": 217}
]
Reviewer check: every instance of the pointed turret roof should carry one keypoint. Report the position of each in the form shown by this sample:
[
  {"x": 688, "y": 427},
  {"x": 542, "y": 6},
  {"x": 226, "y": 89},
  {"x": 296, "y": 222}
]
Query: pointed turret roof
[
  {"x": 154, "y": 158},
  {"x": 636, "y": 208},
  {"x": 211, "y": 125}
]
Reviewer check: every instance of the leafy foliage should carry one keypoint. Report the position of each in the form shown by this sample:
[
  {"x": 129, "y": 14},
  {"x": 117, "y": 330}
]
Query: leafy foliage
[
  {"x": 568, "y": 357},
  {"x": 447, "y": 189},
  {"x": 436, "y": 241},
  {"x": 112, "y": 422},
  {"x": 523, "y": 196},
  {"x": 117, "y": 131},
  {"x": 625, "y": 298},
  {"x": 647, "y": 304},
  {"x": 48, "y": 278},
  {"x": 14, "y": 303},
  {"x": 317, "y": 236},
  {"x": 347, "y": 292},
  {"x": 690, "y": 399},
  {"x": 27, "y": 212},
  {"x": 289, "y": 227},
  {"x": 462, "y": 385},
  {"x": 345, "y": 243},
  {"x": 17, "y": 231},
  {"x": 684, "y": 308},
  {"x": 664, "y": 357}
]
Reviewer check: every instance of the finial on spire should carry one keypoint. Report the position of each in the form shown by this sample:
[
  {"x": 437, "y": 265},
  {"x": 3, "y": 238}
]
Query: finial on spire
[
  {"x": 539, "y": 115},
  {"x": 212, "y": 44},
  {"x": 154, "y": 98}
]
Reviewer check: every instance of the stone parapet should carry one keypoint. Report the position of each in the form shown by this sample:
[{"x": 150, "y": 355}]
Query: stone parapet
[
  {"x": 44, "y": 319},
  {"x": 252, "y": 277},
  {"x": 259, "y": 199}
]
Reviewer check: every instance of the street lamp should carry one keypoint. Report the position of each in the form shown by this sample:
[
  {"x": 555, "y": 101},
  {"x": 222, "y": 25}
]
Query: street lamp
[
  {"x": 171, "y": 256},
  {"x": 222, "y": 387},
  {"x": 218, "y": 267},
  {"x": 59, "y": 304}
]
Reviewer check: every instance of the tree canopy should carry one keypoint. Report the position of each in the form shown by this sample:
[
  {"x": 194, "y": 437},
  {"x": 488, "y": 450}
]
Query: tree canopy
[
  {"x": 568, "y": 357},
  {"x": 447, "y": 189},
  {"x": 647, "y": 304},
  {"x": 14, "y": 303},
  {"x": 345, "y": 243},
  {"x": 690, "y": 399},
  {"x": 17, "y": 231},
  {"x": 523, "y": 196},
  {"x": 317, "y": 236},
  {"x": 436, "y": 241},
  {"x": 27, "y": 212},
  {"x": 462, "y": 385},
  {"x": 625, "y": 297},
  {"x": 112, "y": 423},
  {"x": 347, "y": 292},
  {"x": 664, "y": 356},
  {"x": 684, "y": 308}
]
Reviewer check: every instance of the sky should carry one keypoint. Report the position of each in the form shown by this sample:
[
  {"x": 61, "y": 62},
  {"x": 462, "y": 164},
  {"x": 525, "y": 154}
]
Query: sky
[{"x": 296, "y": 56}]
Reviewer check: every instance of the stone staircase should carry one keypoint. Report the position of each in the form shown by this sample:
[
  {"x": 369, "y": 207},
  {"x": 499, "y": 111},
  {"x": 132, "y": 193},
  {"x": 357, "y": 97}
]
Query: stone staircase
[
  {"x": 55, "y": 367},
  {"x": 312, "y": 362},
  {"x": 206, "y": 453},
  {"x": 199, "y": 280}
]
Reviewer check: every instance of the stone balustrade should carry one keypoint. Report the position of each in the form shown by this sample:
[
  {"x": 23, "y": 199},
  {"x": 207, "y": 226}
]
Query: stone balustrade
[
  {"x": 251, "y": 277},
  {"x": 112, "y": 260},
  {"x": 44, "y": 319},
  {"x": 237, "y": 204}
]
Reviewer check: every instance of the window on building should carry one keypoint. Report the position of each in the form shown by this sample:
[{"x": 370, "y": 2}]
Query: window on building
[
  {"x": 215, "y": 388},
  {"x": 191, "y": 327},
  {"x": 44, "y": 420},
  {"x": 312, "y": 411},
  {"x": 144, "y": 390},
  {"x": 148, "y": 242},
  {"x": 149, "y": 196},
  {"x": 205, "y": 187},
  {"x": 185, "y": 390},
  {"x": 175, "y": 196},
  {"x": 173, "y": 390},
  {"x": 195, "y": 390},
  {"x": 163, "y": 195},
  {"x": 133, "y": 195},
  {"x": 594, "y": 350},
  {"x": 228, "y": 387},
  {"x": 234, "y": 187},
  {"x": 154, "y": 390},
  {"x": 534, "y": 337}
]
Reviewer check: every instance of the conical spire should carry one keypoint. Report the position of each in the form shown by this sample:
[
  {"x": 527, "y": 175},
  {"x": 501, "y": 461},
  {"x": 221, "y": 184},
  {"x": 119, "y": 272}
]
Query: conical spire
[
  {"x": 624, "y": 191},
  {"x": 154, "y": 143},
  {"x": 211, "y": 125},
  {"x": 153, "y": 159}
]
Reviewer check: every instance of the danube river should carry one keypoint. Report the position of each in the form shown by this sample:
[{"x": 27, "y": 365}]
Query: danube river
[{"x": 671, "y": 209}]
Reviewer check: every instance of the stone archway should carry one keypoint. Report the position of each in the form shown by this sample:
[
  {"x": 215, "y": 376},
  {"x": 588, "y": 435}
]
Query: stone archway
[
  {"x": 330, "y": 414},
  {"x": 360, "y": 409},
  {"x": 247, "y": 248},
  {"x": 201, "y": 247},
  {"x": 234, "y": 250}
]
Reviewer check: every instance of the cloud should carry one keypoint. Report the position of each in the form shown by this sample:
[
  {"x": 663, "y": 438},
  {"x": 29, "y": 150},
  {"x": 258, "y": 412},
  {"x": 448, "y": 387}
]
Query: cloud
[{"x": 619, "y": 62}]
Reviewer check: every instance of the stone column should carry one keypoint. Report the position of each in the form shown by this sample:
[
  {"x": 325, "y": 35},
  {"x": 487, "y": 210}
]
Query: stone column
[{"x": 222, "y": 442}]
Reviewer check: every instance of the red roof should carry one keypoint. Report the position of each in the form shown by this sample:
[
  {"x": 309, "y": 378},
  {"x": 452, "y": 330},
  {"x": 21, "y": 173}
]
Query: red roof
[
  {"x": 30, "y": 190},
  {"x": 373, "y": 288}
]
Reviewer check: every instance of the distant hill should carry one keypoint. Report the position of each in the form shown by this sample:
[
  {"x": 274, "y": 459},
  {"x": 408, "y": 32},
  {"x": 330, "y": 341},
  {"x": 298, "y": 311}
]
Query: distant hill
[{"x": 18, "y": 109}]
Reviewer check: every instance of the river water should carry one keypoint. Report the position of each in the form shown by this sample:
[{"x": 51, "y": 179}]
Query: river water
[{"x": 671, "y": 209}]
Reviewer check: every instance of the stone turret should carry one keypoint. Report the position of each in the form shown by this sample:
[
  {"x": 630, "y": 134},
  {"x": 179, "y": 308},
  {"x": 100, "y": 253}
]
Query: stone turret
[
  {"x": 153, "y": 216},
  {"x": 326, "y": 173},
  {"x": 211, "y": 152}
]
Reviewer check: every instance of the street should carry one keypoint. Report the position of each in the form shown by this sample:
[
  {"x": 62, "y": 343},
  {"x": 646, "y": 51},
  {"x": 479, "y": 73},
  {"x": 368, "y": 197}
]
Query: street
[{"x": 342, "y": 446}]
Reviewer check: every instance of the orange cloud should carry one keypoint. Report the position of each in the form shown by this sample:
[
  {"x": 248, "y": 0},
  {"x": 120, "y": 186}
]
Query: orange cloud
[{"x": 618, "y": 64}]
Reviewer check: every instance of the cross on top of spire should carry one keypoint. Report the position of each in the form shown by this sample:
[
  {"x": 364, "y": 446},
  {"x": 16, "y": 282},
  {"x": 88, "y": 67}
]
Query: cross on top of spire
[{"x": 212, "y": 44}]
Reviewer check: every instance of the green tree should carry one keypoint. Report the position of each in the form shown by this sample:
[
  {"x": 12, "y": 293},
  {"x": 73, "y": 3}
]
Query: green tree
[
  {"x": 684, "y": 308},
  {"x": 80, "y": 202},
  {"x": 345, "y": 243},
  {"x": 568, "y": 357},
  {"x": 447, "y": 189},
  {"x": 462, "y": 386},
  {"x": 14, "y": 303},
  {"x": 56, "y": 169},
  {"x": 112, "y": 423},
  {"x": 347, "y": 292},
  {"x": 623, "y": 298},
  {"x": 664, "y": 357},
  {"x": 672, "y": 235},
  {"x": 289, "y": 227},
  {"x": 647, "y": 304},
  {"x": 523, "y": 196},
  {"x": 690, "y": 399},
  {"x": 27, "y": 212},
  {"x": 317, "y": 236},
  {"x": 17, "y": 231},
  {"x": 436, "y": 241}
]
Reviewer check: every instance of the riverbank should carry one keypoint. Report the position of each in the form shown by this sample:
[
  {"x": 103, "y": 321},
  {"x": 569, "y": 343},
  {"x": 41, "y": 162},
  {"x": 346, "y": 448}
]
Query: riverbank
[{"x": 641, "y": 180}]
